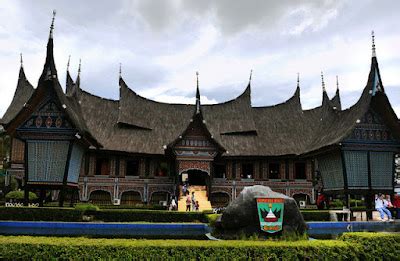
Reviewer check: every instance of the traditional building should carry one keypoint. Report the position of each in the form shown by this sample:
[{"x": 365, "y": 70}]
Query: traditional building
[{"x": 135, "y": 150}]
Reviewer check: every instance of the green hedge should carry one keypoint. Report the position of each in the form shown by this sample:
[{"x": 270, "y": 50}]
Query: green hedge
[
  {"x": 315, "y": 215},
  {"x": 19, "y": 195},
  {"x": 46, "y": 248},
  {"x": 379, "y": 246},
  {"x": 105, "y": 215},
  {"x": 350, "y": 246},
  {"x": 40, "y": 214},
  {"x": 127, "y": 215}
]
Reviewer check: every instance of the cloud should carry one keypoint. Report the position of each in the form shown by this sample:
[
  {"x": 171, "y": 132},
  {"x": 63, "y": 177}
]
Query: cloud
[{"x": 161, "y": 44}]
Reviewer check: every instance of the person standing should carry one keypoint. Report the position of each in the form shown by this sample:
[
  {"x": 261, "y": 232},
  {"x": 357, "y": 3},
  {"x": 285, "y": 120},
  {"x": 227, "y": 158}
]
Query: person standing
[
  {"x": 381, "y": 207},
  {"x": 193, "y": 201},
  {"x": 188, "y": 202}
]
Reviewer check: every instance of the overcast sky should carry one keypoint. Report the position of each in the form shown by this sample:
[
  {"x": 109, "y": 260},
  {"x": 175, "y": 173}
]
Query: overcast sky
[{"x": 161, "y": 44}]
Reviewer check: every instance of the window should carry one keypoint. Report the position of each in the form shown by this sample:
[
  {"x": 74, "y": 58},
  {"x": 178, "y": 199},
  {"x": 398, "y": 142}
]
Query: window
[
  {"x": 247, "y": 171},
  {"x": 300, "y": 170},
  {"x": 132, "y": 168},
  {"x": 219, "y": 171},
  {"x": 102, "y": 166},
  {"x": 274, "y": 171},
  {"x": 162, "y": 169}
]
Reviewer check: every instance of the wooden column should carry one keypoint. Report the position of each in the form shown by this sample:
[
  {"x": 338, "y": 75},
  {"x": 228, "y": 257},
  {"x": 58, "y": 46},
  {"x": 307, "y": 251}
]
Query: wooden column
[
  {"x": 229, "y": 170},
  {"x": 291, "y": 170},
  {"x": 142, "y": 168},
  {"x": 256, "y": 170},
  {"x": 238, "y": 170}
]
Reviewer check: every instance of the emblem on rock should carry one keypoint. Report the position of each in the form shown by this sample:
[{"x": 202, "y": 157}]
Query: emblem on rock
[{"x": 270, "y": 213}]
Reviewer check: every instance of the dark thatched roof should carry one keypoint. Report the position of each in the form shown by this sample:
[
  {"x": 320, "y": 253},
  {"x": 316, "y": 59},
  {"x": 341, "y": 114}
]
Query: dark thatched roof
[
  {"x": 335, "y": 102},
  {"x": 49, "y": 85},
  {"x": 22, "y": 94},
  {"x": 138, "y": 125}
]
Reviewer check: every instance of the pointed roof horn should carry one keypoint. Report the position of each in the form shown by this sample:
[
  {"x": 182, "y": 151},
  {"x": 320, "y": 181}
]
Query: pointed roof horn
[
  {"x": 69, "y": 60},
  {"x": 251, "y": 74}
]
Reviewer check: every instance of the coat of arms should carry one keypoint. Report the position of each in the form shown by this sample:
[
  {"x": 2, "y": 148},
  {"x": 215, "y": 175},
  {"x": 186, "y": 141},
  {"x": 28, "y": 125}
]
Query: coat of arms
[{"x": 270, "y": 213}]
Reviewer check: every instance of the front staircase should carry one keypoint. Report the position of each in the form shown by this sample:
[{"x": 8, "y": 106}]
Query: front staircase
[{"x": 200, "y": 194}]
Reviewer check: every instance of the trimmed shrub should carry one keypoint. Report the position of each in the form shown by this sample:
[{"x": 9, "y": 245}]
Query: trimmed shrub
[
  {"x": 128, "y": 215},
  {"x": 336, "y": 203},
  {"x": 40, "y": 214},
  {"x": 86, "y": 207},
  {"x": 377, "y": 246},
  {"x": 19, "y": 195},
  {"x": 212, "y": 219},
  {"x": 315, "y": 215},
  {"x": 45, "y": 248}
]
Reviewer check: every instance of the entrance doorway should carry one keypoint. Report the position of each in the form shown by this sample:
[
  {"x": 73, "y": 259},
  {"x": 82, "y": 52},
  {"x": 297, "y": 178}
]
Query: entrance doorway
[{"x": 197, "y": 177}]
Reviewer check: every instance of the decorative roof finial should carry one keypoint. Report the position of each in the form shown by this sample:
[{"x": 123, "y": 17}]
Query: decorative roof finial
[
  {"x": 21, "y": 61},
  {"x": 197, "y": 78},
  {"x": 197, "y": 95},
  {"x": 120, "y": 70},
  {"x": 298, "y": 79},
  {"x": 52, "y": 25},
  {"x": 69, "y": 59},
  {"x": 323, "y": 83},
  {"x": 251, "y": 74},
  {"x": 373, "y": 44},
  {"x": 79, "y": 67},
  {"x": 337, "y": 83}
]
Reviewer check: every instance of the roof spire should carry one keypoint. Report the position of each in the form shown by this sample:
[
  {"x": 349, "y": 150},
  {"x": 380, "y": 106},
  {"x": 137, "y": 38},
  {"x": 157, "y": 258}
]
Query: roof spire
[
  {"x": 52, "y": 25},
  {"x": 49, "y": 69},
  {"x": 197, "y": 95},
  {"x": 337, "y": 83},
  {"x": 79, "y": 67},
  {"x": 21, "y": 60},
  {"x": 298, "y": 80},
  {"x": 373, "y": 44},
  {"x": 69, "y": 60},
  {"x": 323, "y": 83},
  {"x": 120, "y": 70}
]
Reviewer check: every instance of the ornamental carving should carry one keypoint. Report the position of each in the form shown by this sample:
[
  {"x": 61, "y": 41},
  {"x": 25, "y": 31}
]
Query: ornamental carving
[
  {"x": 48, "y": 116},
  {"x": 371, "y": 129},
  {"x": 185, "y": 165}
]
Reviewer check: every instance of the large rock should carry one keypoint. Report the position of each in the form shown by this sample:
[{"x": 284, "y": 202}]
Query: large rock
[{"x": 241, "y": 216}]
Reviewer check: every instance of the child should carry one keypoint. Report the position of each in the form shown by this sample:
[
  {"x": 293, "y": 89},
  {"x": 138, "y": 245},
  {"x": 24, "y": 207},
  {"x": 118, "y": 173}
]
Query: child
[{"x": 197, "y": 206}]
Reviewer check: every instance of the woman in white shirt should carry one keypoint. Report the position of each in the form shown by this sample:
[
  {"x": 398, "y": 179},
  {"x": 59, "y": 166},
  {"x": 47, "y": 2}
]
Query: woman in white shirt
[{"x": 381, "y": 207}]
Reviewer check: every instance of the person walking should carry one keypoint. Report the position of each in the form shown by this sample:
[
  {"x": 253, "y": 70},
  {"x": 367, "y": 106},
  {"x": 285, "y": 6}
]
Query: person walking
[{"x": 381, "y": 207}]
